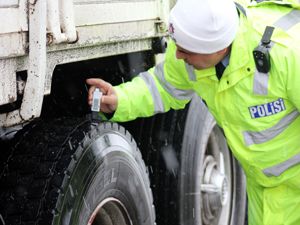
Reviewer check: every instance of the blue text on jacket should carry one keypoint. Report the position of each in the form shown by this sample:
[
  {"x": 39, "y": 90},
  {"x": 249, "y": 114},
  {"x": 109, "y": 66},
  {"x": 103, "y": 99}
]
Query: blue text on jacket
[{"x": 267, "y": 109}]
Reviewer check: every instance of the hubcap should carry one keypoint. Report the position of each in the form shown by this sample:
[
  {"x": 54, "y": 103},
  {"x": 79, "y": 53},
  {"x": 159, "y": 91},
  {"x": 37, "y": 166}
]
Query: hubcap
[
  {"x": 110, "y": 212},
  {"x": 214, "y": 188}
]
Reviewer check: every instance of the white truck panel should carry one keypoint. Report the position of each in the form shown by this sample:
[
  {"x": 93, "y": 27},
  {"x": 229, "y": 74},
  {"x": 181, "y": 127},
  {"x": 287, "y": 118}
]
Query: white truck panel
[
  {"x": 116, "y": 12},
  {"x": 9, "y": 119},
  {"x": 12, "y": 30},
  {"x": 8, "y": 88},
  {"x": 14, "y": 13},
  {"x": 12, "y": 45},
  {"x": 9, "y": 3},
  {"x": 99, "y": 28}
]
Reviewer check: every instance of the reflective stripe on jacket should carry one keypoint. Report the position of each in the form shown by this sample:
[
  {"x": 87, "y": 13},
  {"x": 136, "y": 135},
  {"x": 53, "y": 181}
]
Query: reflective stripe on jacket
[{"x": 259, "y": 113}]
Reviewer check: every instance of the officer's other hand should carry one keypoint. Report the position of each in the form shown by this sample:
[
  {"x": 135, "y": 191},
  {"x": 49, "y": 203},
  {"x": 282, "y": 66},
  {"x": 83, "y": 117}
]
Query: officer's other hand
[{"x": 109, "y": 100}]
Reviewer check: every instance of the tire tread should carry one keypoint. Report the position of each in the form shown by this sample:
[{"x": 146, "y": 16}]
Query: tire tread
[{"x": 37, "y": 172}]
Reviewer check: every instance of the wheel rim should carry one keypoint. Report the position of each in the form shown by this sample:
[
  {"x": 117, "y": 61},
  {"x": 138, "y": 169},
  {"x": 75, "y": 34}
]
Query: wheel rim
[
  {"x": 110, "y": 212},
  {"x": 216, "y": 174}
]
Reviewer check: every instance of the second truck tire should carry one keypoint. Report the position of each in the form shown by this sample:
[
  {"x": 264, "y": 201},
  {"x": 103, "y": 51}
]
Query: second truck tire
[{"x": 212, "y": 187}]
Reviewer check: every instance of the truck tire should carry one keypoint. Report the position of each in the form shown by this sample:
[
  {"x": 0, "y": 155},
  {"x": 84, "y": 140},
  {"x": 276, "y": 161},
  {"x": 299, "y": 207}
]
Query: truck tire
[
  {"x": 212, "y": 187},
  {"x": 75, "y": 172}
]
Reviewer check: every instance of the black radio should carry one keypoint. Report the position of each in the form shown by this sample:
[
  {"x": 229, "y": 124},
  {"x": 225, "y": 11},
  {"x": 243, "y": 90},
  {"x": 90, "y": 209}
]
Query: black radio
[{"x": 261, "y": 53}]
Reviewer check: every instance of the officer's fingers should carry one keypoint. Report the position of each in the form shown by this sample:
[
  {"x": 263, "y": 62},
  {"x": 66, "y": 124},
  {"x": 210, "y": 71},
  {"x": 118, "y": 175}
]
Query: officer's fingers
[
  {"x": 90, "y": 102},
  {"x": 93, "y": 81},
  {"x": 111, "y": 91},
  {"x": 110, "y": 100},
  {"x": 103, "y": 85},
  {"x": 91, "y": 91},
  {"x": 106, "y": 88},
  {"x": 106, "y": 109}
]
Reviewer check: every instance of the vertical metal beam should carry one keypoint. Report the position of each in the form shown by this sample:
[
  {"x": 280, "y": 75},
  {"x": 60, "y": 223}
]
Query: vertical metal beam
[
  {"x": 53, "y": 23},
  {"x": 67, "y": 20},
  {"x": 34, "y": 90}
]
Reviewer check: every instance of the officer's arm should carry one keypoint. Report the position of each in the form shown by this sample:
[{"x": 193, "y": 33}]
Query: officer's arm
[{"x": 155, "y": 91}]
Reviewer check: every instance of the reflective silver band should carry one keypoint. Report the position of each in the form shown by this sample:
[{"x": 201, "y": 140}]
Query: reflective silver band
[
  {"x": 251, "y": 137},
  {"x": 281, "y": 167},
  {"x": 158, "y": 103},
  {"x": 176, "y": 93},
  {"x": 288, "y": 20},
  {"x": 260, "y": 83},
  {"x": 191, "y": 72}
]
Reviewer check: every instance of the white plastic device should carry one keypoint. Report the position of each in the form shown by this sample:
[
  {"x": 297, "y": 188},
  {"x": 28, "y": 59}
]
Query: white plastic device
[{"x": 96, "y": 100}]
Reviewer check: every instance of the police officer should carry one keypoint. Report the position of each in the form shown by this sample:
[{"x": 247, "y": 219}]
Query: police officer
[{"x": 255, "y": 98}]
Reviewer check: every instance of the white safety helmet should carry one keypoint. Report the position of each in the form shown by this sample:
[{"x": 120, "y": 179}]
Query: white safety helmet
[{"x": 203, "y": 26}]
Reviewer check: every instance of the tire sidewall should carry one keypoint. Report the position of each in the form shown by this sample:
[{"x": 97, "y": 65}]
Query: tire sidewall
[{"x": 110, "y": 166}]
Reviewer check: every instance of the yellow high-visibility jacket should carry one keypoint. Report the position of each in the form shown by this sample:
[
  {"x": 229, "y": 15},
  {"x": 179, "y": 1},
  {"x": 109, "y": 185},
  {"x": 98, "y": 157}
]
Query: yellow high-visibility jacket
[{"x": 259, "y": 112}]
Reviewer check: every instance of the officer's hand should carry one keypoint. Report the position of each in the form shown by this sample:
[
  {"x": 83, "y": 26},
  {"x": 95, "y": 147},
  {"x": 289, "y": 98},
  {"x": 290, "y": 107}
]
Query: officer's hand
[{"x": 109, "y": 100}]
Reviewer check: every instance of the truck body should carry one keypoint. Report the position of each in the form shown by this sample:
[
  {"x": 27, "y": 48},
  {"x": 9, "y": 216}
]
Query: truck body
[
  {"x": 60, "y": 166},
  {"x": 75, "y": 31}
]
